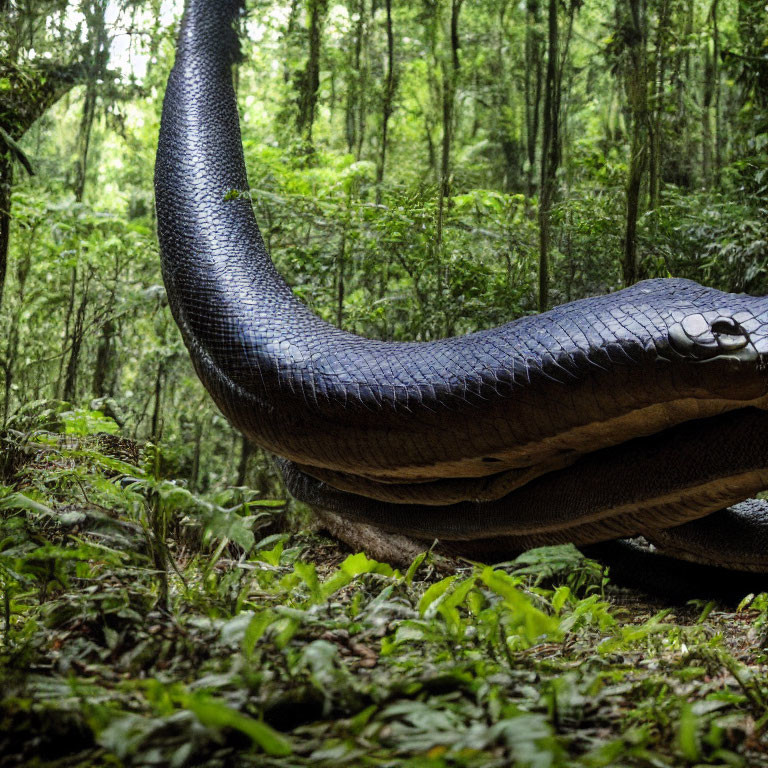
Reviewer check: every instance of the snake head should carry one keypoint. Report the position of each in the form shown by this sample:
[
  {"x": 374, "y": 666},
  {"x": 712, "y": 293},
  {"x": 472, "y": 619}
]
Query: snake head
[{"x": 706, "y": 336}]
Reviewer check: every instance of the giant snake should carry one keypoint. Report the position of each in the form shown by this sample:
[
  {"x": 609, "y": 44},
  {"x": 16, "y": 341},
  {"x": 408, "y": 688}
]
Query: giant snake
[{"x": 638, "y": 412}]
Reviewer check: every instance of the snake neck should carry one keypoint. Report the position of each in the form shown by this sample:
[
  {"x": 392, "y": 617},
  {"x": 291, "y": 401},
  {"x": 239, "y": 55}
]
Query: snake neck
[{"x": 572, "y": 380}]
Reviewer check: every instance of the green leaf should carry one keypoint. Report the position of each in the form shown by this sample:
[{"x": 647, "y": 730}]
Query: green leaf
[
  {"x": 271, "y": 556},
  {"x": 434, "y": 593},
  {"x": 84, "y": 422},
  {"x": 353, "y": 566},
  {"x": 560, "y": 598},
  {"x": 413, "y": 567},
  {"x": 687, "y": 734},
  {"x": 20, "y": 501},
  {"x": 448, "y": 607},
  {"x": 358, "y": 564},
  {"x": 214, "y": 713},
  {"x": 530, "y": 623},
  {"x": 265, "y": 503},
  {"x": 308, "y": 574},
  {"x": 228, "y": 524},
  {"x": 286, "y": 629},
  {"x": 255, "y": 630}
]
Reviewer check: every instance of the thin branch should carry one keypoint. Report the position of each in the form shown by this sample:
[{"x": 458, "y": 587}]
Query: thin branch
[{"x": 16, "y": 151}]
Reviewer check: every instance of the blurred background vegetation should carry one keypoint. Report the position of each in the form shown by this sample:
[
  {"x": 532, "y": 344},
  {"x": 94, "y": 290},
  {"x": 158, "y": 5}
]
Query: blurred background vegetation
[{"x": 418, "y": 169}]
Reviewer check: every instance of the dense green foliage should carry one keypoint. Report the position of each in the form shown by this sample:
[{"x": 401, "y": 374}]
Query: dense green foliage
[
  {"x": 418, "y": 169},
  {"x": 146, "y": 625},
  {"x": 428, "y": 228}
]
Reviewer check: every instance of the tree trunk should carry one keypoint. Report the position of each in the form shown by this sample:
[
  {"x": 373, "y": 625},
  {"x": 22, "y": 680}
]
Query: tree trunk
[
  {"x": 630, "y": 266},
  {"x": 559, "y": 113},
  {"x": 194, "y": 475},
  {"x": 688, "y": 166},
  {"x": 549, "y": 155},
  {"x": 290, "y": 28},
  {"x": 386, "y": 107},
  {"x": 99, "y": 52},
  {"x": 363, "y": 72},
  {"x": 340, "y": 285},
  {"x": 103, "y": 360},
  {"x": 67, "y": 325},
  {"x": 70, "y": 382},
  {"x": 6, "y": 187},
  {"x": 505, "y": 126},
  {"x": 657, "y": 107},
  {"x": 84, "y": 140},
  {"x": 716, "y": 83},
  {"x": 246, "y": 449},
  {"x": 309, "y": 81},
  {"x": 354, "y": 75},
  {"x": 156, "y": 425},
  {"x": 12, "y": 347},
  {"x": 637, "y": 96},
  {"x": 450, "y": 68},
  {"x": 532, "y": 85},
  {"x": 706, "y": 114}
]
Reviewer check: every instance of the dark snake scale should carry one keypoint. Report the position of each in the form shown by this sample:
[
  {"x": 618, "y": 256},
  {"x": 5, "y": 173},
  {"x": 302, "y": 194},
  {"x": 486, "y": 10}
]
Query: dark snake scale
[{"x": 635, "y": 413}]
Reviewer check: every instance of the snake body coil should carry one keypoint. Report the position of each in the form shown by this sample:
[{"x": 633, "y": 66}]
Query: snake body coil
[{"x": 607, "y": 417}]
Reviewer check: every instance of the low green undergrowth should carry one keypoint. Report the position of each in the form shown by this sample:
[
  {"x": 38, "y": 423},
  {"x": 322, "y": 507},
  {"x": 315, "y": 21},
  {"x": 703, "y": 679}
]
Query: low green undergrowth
[{"x": 146, "y": 625}]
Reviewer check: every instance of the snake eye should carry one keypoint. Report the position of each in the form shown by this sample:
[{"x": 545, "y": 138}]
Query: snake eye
[
  {"x": 726, "y": 327},
  {"x": 729, "y": 335},
  {"x": 705, "y": 336}
]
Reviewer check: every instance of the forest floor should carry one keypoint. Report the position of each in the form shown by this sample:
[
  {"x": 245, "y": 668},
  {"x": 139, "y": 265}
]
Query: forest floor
[{"x": 145, "y": 625}]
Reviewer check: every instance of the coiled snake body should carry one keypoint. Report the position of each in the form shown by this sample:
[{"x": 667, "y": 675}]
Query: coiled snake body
[{"x": 632, "y": 413}]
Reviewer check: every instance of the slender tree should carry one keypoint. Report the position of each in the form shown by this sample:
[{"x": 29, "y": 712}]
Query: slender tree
[
  {"x": 504, "y": 122},
  {"x": 75, "y": 344},
  {"x": 716, "y": 54},
  {"x": 709, "y": 87},
  {"x": 549, "y": 153},
  {"x": 8, "y": 362},
  {"x": 98, "y": 58},
  {"x": 356, "y": 9},
  {"x": 657, "y": 103},
  {"x": 246, "y": 451},
  {"x": 386, "y": 102},
  {"x": 450, "y": 66},
  {"x": 533, "y": 73},
  {"x": 636, "y": 87},
  {"x": 309, "y": 79}
]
